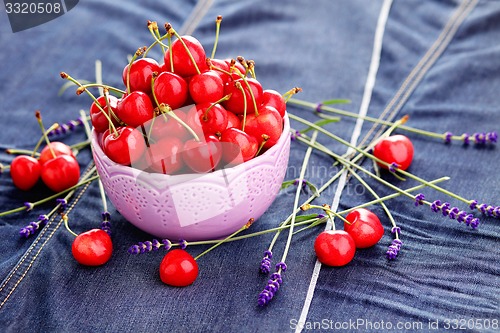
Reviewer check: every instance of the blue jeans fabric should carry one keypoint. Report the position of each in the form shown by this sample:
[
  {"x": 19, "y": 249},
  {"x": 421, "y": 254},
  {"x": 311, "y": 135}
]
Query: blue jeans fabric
[{"x": 445, "y": 271}]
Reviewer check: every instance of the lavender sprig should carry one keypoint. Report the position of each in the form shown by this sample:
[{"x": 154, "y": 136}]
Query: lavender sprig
[
  {"x": 34, "y": 226},
  {"x": 106, "y": 222},
  {"x": 70, "y": 126},
  {"x": 273, "y": 284},
  {"x": 393, "y": 250},
  {"x": 455, "y": 213},
  {"x": 265, "y": 264}
]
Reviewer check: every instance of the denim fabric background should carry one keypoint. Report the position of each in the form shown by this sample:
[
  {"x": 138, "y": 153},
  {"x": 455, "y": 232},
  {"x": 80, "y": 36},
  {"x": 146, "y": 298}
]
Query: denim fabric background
[{"x": 444, "y": 271}]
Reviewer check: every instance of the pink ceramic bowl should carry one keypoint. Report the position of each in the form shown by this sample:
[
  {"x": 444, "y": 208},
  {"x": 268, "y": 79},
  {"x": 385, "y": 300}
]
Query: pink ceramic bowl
[{"x": 195, "y": 206}]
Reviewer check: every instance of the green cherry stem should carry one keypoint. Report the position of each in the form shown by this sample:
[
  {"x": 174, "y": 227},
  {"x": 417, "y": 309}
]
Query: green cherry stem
[
  {"x": 297, "y": 197},
  {"x": 172, "y": 30},
  {"x": 321, "y": 107},
  {"x": 153, "y": 29},
  {"x": 244, "y": 120},
  {"x": 103, "y": 86},
  {"x": 218, "y": 21},
  {"x": 66, "y": 225},
  {"x": 83, "y": 180},
  {"x": 38, "y": 116},
  {"x": 245, "y": 227},
  {"x": 66, "y": 76},
  {"x": 137, "y": 53}
]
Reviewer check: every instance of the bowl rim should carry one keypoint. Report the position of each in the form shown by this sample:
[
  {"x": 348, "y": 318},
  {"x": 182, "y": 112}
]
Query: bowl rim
[{"x": 285, "y": 135}]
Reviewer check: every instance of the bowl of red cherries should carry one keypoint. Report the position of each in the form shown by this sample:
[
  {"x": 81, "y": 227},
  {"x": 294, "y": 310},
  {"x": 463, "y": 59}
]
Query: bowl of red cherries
[{"x": 194, "y": 147}]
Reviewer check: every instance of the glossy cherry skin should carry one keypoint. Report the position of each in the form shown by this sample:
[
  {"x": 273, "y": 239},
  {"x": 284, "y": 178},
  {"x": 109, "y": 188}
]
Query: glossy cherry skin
[
  {"x": 395, "y": 149},
  {"x": 365, "y": 227},
  {"x": 98, "y": 119},
  {"x": 211, "y": 118},
  {"x": 135, "y": 108},
  {"x": 25, "y": 171},
  {"x": 178, "y": 268},
  {"x": 334, "y": 248},
  {"x": 165, "y": 125},
  {"x": 183, "y": 65},
  {"x": 207, "y": 87},
  {"x": 202, "y": 156},
  {"x": 92, "y": 248},
  {"x": 58, "y": 148},
  {"x": 126, "y": 146},
  {"x": 217, "y": 65},
  {"x": 236, "y": 102},
  {"x": 238, "y": 146},
  {"x": 164, "y": 156},
  {"x": 273, "y": 98},
  {"x": 141, "y": 74},
  {"x": 233, "y": 121},
  {"x": 171, "y": 89},
  {"x": 61, "y": 173},
  {"x": 268, "y": 122}
]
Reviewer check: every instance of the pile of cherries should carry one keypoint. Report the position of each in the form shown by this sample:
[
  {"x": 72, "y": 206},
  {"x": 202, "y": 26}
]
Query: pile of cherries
[{"x": 188, "y": 114}]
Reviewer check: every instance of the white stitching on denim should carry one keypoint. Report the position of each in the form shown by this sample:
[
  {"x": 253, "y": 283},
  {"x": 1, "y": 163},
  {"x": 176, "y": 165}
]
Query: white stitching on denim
[
  {"x": 422, "y": 67},
  {"x": 192, "y": 22},
  {"x": 368, "y": 90},
  {"x": 33, "y": 246}
]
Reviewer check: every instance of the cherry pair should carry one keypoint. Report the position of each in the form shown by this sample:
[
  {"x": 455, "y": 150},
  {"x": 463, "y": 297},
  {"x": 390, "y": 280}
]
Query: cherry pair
[
  {"x": 337, "y": 247},
  {"x": 56, "y": 166}
]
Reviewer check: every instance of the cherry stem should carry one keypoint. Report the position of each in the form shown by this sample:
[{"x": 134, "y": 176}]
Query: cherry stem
[
  {"x": 66, "y": 76},
  {"x": 38, "y": 116},
  {"x": 104, "y": 86},
  {"x": 42, "y": 138},
  {"x": 251, "y": 95},
  {"x": 240, "y": 88},
  {"x": 153, "y": 29},
  {"x": 66, "y": 225},
  {"x": 327, "y": 209},
  {"x": 410, "y": 129},
  {"x": 186, "y": 48},
  {"x": 205, "y": 114},
  {"x": 297, "y": 197},
  {"x": 366, "y": 154},
  {"x": 84, "y": 180},
  {"x": 245, "y": 227},
  {"x": 137, "y": 53},
  {"x": 218, "y": 21},
  {"x": 265, "y": 137},
  {"x": 164, "y": 108},
  {"x": 290, "y": 93}
]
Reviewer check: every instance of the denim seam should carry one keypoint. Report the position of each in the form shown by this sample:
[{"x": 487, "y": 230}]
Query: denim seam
[
  {"x": 367, "y": 93},
  {"x": 26, "y": 267},
  {"x": 426, "y": 62}
]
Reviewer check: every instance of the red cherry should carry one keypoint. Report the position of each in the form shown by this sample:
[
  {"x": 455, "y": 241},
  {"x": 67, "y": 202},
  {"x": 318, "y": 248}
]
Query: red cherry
[
  {"x": 98, "y": 119},
  {"x": 273, "y": 98},
  {"x": 164, "y": 156},
  {"x": 237, "y": 71},
  {"x": 207, "y": 87},
  {"x": 238, "y": 146},
  {"x": 126, "y": 146},
  {"x": 217, "y": 64},
  {"x": 233, "y": 121},
  {"x": 212, "y": 118},
  {"x": 183, "y": 65},
  {"x": 61, "y": 173},
  {"x": 171, "y": 89},
  {"x": 365, "y": 228},
  {"x": 141, "y": 73},
  {"x": 135, "y": 109},
  {"x": 334, "y": 248},
  {"x": 92, "y": 248},
  {"x": 25, "y": 171},
  {"x": 394, "y": 149},
  {"x": 204, "y": 155},
  {"x": 268, "y": 122},
  {"x": 236, "y": 102},
  {"x": 165, "y": 125},
  {"x": 178, "y": 268},
  {"x": 58, "y": 148}
]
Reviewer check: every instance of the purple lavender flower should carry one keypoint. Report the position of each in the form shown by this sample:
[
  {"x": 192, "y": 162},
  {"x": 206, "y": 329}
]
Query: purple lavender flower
[
  {"x": 183, "y": 244},
  {"x": 419, "y": 199},
  {"x": 318, "y": 107},
  {"x": 396, "y": 230},
  {"x": 486, "y": 209},
  {"x": 455, "y": 213},
  {"x": 106, "y": 224},
  {"x": 273, "y": 284},
  {"x": 393, "y": 166},
  {"x": 295, "y": 135},
  {"x": 34, "y": 226},
  {"x": 393, "y": 250},
  {"x": 265, "y": 264},
  {"x": 63, "y": 204},
  {"x": 492, "y": 137},
  {"x": 70, "y": 126},
  {"x": 447, "y": 137},
  {"x": 29, "y": 206},
  {"x": 167, "y": 243},
  {"x": 466, "y": 139}
]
